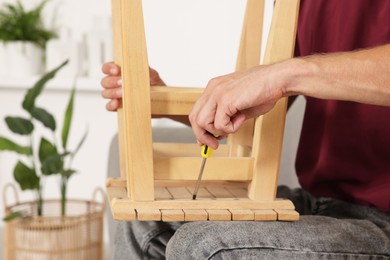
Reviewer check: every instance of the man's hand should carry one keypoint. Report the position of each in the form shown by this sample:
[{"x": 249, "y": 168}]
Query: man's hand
[
  {"x": 358, "y": 76},
  {"x": 231, "y": 99},
  {"x": 112, "y": 84}
]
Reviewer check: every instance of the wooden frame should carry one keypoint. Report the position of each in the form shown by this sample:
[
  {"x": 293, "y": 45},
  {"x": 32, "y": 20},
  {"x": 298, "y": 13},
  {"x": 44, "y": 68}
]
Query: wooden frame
[{"x": 240, "y": 179}]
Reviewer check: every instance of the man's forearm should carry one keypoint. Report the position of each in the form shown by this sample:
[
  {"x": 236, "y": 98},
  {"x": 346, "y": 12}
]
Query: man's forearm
[{"x": 360, "y": 76}]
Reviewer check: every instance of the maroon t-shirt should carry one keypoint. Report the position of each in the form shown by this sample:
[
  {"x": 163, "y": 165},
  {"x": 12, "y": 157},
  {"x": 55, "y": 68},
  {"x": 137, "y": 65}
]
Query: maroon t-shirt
[{"x": 344, "y": 149}]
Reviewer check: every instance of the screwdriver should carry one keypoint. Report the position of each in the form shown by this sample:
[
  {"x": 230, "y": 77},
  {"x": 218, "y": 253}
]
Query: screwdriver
[{"x": 206, "y": 152}]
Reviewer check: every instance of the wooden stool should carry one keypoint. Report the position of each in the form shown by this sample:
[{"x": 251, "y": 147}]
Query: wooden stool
[{"x": 157, "y": 179}]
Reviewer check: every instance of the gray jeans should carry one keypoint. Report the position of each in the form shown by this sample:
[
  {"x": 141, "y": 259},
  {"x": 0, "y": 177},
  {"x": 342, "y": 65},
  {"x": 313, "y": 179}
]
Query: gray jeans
[{"x": 328, "y": 229}]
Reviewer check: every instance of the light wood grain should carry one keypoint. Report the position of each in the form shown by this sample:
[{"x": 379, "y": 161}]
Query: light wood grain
[
  {"x": 116, "y": 182},
  {"x": 117, "y": 35},
  {"x": 162, "y": 193},
  {"x": 220, "y": 192},
  {"x": 136, "y": 103},
  {"x": 206, "y": 183},
  {"x": 172, "y": 215},
  {"x": 269, "y": 130},
  {"x": 242, "y": 214},
  {"x": 120, "y": 211},
  {"x": 180, "y": 193},
  {"x": 219, "y": 214},
  {"x": 217, "y": 168},
  {"x": 185, "y": 150},
  {"x": 148, "y": 214},
  {"x": 204, "y": 204},
  {"x": 287, "y": 215},
  {"x": 160, "y": 177},
  {"x": 265, "y": 215},
  {"x": 238, "y": 192},
  {"x": 195, "y": 215},
  {"x": 173, "y": 100},
  {"x": 203, "y": 193},
  {"x": 248, "y": 56}
]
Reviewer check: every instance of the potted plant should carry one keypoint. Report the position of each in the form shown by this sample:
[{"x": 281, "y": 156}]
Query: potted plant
[
  {"x": 23, "y": 37},
  {"x": 58, "y": 231}
]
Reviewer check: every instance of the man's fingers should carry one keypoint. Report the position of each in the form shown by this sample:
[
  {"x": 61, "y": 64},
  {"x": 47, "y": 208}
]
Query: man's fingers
[
  {"x": 115, "y": 93},
  {"x": 111, "y": 82},
  {"x": 203, "y": 137},
  {"x": 110, "y": 68},
  {"x": 237, "y": 121},
  {"x": 113, "y": 105},
  {"x": 223, "y": 116},
  {"x": 202, "y": 121}
]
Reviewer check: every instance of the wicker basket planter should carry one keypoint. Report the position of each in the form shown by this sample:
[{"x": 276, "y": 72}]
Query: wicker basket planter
[{"x": 78, "y": 235}]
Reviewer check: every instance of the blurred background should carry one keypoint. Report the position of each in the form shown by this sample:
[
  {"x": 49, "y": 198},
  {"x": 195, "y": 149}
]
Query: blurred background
[{"x": 189, "y": 42}]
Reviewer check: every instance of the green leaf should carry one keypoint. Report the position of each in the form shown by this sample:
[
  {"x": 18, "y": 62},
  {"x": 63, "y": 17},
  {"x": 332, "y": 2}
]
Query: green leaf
[
  {"x": 33, "y": 93},
  {"x": 52, "y": 165},
  {"x": 19, "y": 125},
  {"x": 46, "y": 149},
  {"x": 18, "y": 24},
  {"x": 51, "y": 161},
  {"x": 26, "y": 177},
  {"x": 44, "y": 117},
  {"x": 14, "y": 215},
  {"x": 67, "y": 119},
  {"x": 8, "y": 145},
  {"x": 68, "y": 173}
]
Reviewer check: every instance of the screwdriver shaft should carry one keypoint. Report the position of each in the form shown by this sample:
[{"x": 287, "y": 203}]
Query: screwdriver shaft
[{"x": 199, "y": 179}]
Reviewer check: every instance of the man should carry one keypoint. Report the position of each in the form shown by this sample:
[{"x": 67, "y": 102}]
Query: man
[{"x": 343, "y": 160}]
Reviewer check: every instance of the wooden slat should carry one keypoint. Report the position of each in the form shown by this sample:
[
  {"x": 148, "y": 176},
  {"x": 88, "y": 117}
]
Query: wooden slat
[
  {"x": 206, "y": 183},
  {"x": 219, "y": 214},
  {"x": 287, "y": 215},
  {"x": 162, "y": 193},
  {"x": 173, "y": 100},
  {"x": 148, "y": 214},
  {"x": 251, "y": 35},
  {"x": 242, "y": 214},
  {"x": 195, "y": 215},
  {"x": 239, "y": 192},
  {"x": 220, "y": 192},
  {"x": 136, "y": 103},
  {"x": 203, "y": 193},
  {"x": 120, "y": 211},
  {"x": 172, "y": 215},
  {"x": 185, "y": 150},
  {"x": 117, "y": 26},
  {"x": 206, "y": 204},
  {"x": 179, "y": 193},
  {"x": 248, "y": 56},
  {"x": 245, "y": 150},
  {"x": 265, "y": 215},
  {"x": 268, "y": 136},
  {"x": 123, "y": 208},
  {"x": 217, "y": 168},
  {"x": 116, "y": 182},
  {"x": 116, "y": 192}
]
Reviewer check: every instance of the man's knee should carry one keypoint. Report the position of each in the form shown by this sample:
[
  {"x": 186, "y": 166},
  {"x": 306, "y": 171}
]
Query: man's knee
[
  {"x": 191, "y": 241},
  {"x": 203, "y": 240}
]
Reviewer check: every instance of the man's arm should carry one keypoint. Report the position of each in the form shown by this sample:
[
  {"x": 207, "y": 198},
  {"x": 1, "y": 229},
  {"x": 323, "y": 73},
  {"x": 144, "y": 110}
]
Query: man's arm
[{"x": 360, "y": 76}]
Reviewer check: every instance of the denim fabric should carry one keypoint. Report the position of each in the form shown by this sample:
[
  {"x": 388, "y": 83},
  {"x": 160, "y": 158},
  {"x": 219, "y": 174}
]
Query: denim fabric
[{"x": 328, "y": 229}]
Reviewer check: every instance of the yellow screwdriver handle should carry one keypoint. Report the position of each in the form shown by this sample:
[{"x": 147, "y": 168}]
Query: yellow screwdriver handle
[{"x": 206, "y": 151}]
